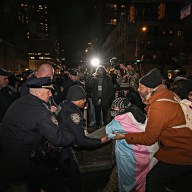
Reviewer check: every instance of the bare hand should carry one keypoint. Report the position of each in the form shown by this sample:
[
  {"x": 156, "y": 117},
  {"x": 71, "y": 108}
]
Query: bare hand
[
  {"x": 122, "y": 66},
  {"x": 53, "y": 108},
  {"x": 119, "y": 136},
  {"x": 104, "y": 139}
]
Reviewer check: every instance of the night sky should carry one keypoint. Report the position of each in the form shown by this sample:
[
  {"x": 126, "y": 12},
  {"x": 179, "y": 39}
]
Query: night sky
[{"x": 74, "y": 19}]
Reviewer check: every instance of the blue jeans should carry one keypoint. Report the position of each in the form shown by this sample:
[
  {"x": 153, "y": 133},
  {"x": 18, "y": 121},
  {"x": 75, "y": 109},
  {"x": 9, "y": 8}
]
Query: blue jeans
[{"x": 163, "y": 174}]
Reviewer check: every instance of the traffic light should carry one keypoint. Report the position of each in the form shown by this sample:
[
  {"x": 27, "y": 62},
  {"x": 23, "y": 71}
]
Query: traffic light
[
  {"x": 131, "y": 14},
  {"x": 161, "y": 11}
]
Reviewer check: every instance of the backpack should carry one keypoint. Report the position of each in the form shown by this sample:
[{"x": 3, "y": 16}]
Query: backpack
[{"x": 186, "y": 106}]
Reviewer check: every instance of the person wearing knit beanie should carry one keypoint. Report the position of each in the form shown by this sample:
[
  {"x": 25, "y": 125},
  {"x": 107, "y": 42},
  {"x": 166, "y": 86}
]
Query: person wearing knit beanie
[
  {"x": 152, "y": 79},
  {"x": 70, "y": 117},
  {"x": 149, "y": 83},
  {"x": 76, "y": 93}
]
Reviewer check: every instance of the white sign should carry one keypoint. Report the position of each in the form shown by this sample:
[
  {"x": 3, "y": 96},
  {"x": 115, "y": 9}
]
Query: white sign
[{"x": 185, "y": 11}]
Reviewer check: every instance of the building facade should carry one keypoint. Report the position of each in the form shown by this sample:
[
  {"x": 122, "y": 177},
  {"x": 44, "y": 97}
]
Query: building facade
[
  {"x": 43, "y": 44},
  {"x": 150, "y": 32},
  {"x": 13, "y": 42}
]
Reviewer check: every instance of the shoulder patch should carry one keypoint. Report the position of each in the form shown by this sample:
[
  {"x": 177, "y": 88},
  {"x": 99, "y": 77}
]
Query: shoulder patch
[
  {"x": 54, "y": 120},
  {"x": 75, "y": 117}
]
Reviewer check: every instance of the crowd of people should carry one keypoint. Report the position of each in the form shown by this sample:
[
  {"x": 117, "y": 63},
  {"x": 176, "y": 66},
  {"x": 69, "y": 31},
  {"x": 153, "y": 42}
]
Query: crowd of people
[{"x": 42, "y": 122}]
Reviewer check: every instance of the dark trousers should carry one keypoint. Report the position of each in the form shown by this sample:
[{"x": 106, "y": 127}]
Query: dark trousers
[
  {"x": 98, "y": 109},
  {"x": 38, "y": 175},
  {"x": 163, "y": 174},
  {"x": 73, "y": 175}
]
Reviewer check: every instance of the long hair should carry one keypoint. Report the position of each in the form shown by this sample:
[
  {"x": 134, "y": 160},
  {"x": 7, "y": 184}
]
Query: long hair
[{"x": 101, "y": 67}]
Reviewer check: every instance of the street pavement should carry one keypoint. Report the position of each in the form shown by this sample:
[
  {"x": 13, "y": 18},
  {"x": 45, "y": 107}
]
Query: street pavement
[
  {"x": 96, "y": 165},
  {"x": 95, "y": 181}
]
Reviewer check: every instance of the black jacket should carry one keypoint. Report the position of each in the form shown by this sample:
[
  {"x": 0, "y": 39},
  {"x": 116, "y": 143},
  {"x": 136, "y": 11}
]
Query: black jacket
[
  {"x": 25, "y": 124},
  {"x": 107, "y": 90},
  {"x": 7, "y": 96},
  {"x": 70, "y": 117}
]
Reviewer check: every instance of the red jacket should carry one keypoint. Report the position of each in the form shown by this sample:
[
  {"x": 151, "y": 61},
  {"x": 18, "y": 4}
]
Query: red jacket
[{"x": 175, "y": 143}]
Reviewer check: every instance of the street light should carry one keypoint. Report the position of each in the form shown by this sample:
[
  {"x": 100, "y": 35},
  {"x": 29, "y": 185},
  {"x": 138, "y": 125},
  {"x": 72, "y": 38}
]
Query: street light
[
  {"x": 95, "y": 62},
  {"x": 144, "y": 29}
]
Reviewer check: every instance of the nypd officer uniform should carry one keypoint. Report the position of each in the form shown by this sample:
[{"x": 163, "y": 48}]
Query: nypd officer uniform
[
  {"x": 7, "y": 95},
  {"x": 26, "y": 123},
  {"x": 70, "y": 117}
]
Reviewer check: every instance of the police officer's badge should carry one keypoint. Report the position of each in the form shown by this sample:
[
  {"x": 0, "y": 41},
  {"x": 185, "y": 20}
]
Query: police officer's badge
[
  {"x": 75, "y": 117},
  {"x": 54, "y": 120}
]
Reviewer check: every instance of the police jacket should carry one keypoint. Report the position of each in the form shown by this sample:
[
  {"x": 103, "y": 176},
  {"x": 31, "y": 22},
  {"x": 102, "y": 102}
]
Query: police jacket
[
  {"x": 7, "y": 96},
  {"x": 26, "y": 122},
  {"x": 70, "y": 117}
]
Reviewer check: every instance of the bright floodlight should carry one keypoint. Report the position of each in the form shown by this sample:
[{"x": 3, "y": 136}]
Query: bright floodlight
[{"x": 95, "y": 62}]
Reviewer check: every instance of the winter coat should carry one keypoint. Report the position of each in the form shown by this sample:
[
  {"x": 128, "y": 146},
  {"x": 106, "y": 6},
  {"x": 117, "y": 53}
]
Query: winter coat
[
  {"x": 107, "y": 90},
  {"x": 175, "y": 143}
]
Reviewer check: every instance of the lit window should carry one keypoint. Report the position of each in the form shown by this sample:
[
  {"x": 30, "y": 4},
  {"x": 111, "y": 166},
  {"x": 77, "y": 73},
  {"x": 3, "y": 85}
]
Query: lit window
[
  {"x": 148, "y": 44},
  {"x": 171, "y": 31},
  {"x": 23, "y": 5},
  {"x": 154, "y": 57},
  {"x": 115, "y": 6},
  {"x": 123, "y": 6},
  {"x": 32, "y": 57},
  {"x": 111, "y": 21},
  {"x": 179, "y": 33}
]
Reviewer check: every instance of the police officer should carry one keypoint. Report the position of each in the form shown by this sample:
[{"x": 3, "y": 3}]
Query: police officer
[
  {"x": 70, "y": 117},
  {"x": 26, "y": 124},
  {"x": 7, "y": 95}
]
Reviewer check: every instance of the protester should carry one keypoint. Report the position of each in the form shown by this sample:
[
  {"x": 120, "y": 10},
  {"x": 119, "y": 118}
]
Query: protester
[
  {"x": 70, "y": 117},
  {"x": 181, "y": 85},
  {"x": 73, "y": 80},
  {"x": 26, "y": 125},
  {"x": 102, "y": 94},
  {"x": 133, "y": 161},
  {"x": 132, "y": 77},
  {"x": 175, "y": 152}
]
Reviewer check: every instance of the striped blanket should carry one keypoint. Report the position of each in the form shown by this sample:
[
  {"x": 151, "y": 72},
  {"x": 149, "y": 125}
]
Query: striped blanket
[{"x": 133, "y": 161}]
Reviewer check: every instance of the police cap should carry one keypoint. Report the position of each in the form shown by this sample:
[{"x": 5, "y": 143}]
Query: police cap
[
  {"x": 3, "y": 72},
  {"x": 42, "y": 82}
]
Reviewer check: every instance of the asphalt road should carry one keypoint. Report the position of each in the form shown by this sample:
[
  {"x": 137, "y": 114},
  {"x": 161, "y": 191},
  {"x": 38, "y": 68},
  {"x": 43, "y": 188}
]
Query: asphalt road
[{"x": 95, "y": 181}]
